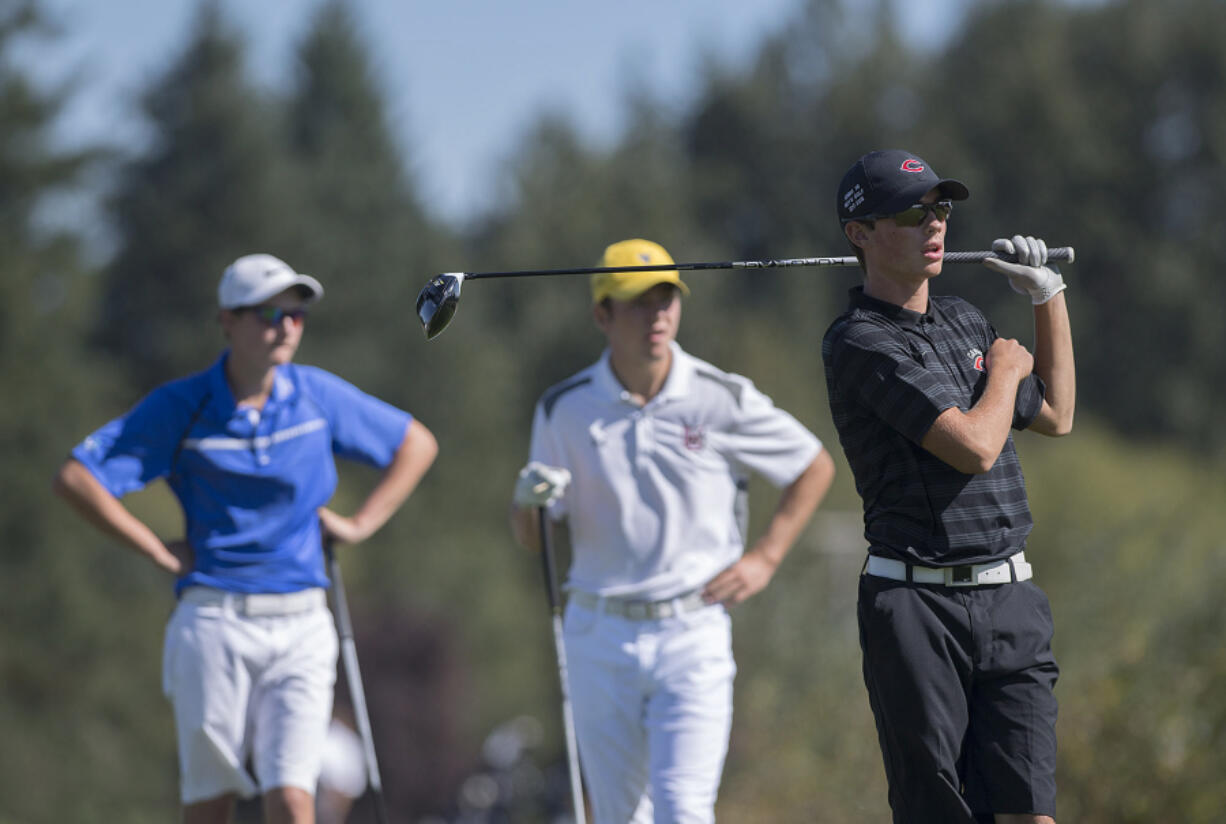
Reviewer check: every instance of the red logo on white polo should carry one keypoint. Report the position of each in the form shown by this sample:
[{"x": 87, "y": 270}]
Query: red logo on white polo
[
  {"x": 912, "y": 165},
  {"x": 695, "y": 437}
]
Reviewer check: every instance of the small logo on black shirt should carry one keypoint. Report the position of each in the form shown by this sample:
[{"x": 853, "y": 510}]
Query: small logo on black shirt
[{"x": 976, "y": 357}]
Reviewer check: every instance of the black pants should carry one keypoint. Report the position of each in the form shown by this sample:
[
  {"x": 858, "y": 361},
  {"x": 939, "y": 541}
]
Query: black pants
[{"x": 960, "y": 681}]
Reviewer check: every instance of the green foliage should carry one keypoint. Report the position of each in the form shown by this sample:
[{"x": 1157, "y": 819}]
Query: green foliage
[
  {"x": 1096, "y": 125},
  {"x": 355, "y": 223},
  {"x": 71, "y": 712},
  {"x": 1116, "y": 149},
  {"x": 1130, "y": 545},
  {"x": 209, "y": 188}
]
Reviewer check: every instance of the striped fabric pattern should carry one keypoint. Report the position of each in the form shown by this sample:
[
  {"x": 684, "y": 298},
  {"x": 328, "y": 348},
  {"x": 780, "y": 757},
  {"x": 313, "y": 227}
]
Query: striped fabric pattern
[
  {"x": 889, "y": 373},
  {"x": 260, "y": 442}
]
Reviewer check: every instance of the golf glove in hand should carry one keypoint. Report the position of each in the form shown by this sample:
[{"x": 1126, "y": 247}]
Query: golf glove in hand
[
  {"x": 540, "y": 485},
  {"x": 1030, "y": 275}
]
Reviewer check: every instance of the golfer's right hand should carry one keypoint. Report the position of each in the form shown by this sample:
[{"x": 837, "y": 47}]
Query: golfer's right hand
[
  {"x": 1007, "y": 353},
  {"x": 540, "y": 485}
]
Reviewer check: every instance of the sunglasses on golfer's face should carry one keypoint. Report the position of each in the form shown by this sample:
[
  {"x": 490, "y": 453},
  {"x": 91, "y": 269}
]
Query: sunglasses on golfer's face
[
  {"x": 273, "y": 315},
  {"x": 917, "y": 214}
]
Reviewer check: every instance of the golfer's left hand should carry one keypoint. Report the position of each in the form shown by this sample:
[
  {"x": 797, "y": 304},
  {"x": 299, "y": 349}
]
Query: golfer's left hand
[
  {"x": 744, "y": 579},
  {"x": 1030, "y": 275},
  {"x": 539, "y": 484}
]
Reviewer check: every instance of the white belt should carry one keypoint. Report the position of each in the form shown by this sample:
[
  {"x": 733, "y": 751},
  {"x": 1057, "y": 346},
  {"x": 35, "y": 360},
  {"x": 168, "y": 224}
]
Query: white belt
[
  {"x": 639, "y": 610},
  {"x": 1013, "y": 568},
  {"x": 258, "y": 603}
]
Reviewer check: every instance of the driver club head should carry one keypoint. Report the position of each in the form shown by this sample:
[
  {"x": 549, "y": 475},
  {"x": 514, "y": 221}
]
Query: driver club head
[{"x": 438, "y": 301}]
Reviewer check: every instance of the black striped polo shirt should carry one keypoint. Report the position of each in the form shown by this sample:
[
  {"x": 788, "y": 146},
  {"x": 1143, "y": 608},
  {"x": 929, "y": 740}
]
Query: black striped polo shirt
[{"x": 889, "y": 373}]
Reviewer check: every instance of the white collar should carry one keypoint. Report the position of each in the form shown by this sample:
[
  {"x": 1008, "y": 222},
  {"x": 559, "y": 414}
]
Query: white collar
[{"x": 676, "y": 384}]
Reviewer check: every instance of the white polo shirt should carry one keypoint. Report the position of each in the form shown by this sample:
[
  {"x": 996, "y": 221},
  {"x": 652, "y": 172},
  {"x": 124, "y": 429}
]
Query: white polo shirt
[{"x": 657, "y": 502}]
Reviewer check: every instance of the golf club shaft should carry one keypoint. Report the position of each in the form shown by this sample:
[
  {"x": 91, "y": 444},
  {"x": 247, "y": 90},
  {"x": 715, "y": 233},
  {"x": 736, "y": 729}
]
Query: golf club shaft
[
  {"x": 568, "y": 716},
  {"x": 353, "y": 675},
  {"x": 1059, "y": 254}
]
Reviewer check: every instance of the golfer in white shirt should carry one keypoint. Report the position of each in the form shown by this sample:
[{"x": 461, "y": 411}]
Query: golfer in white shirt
[{"x": 646, "y": 455}]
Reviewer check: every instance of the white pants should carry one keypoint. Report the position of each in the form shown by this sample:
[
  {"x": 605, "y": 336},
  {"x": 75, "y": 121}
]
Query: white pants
[
  {"x": 257, "y": 686},
  {"x": 653, "y": 709}
]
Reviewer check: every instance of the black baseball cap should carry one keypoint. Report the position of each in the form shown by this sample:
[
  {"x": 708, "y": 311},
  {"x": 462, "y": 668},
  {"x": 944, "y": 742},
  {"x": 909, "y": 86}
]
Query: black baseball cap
[{"x": 888, "y": 181}]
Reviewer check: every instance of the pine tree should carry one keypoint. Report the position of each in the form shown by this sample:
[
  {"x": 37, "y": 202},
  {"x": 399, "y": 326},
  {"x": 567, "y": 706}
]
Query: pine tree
[
  {"x": 73, "y": 729},
  {"x": 209, "y": 188},
  {"x": 359, "y": 226}
]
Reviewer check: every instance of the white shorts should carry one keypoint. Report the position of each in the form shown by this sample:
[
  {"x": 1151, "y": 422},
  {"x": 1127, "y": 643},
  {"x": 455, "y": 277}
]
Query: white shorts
[
  {"x": 653, "y": 709},
  {"x": 247, "y": 682}
]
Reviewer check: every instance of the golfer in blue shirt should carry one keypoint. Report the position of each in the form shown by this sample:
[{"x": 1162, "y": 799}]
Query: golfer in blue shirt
[{"x": 248, "y": 446}]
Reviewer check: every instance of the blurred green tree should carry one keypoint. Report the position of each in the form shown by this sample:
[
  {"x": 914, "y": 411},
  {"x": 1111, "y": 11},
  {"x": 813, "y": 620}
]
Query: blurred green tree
[
  {"x": 356, "y": 219},
  {"x": 1119, "y": 152},
  {"x": 1098, "y": 125},
  {"x": 73, "y": 724},
  {"x": 209, "y": 187}
]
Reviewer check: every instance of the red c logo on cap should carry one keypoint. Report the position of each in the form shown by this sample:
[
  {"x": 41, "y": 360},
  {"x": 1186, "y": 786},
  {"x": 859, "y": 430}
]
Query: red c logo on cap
[{"x": 912, "y": 165}]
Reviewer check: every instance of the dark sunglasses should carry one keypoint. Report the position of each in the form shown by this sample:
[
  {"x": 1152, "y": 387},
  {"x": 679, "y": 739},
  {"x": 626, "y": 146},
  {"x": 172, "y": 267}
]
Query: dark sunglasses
[
  {"x": 273, "y": 315},
  {"x": 917, "y": 214}
]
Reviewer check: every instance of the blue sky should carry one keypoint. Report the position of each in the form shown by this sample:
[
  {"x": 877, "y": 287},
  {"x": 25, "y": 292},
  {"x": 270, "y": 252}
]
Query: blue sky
[{"x": 463, "y": 78}]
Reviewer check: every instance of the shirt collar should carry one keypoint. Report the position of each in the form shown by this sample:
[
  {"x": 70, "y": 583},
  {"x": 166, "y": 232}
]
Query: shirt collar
[
  {"x": 282, "y": 384},
  {"x": 680, "y": 374},
  {"x": 222, "y": 399},
  {"x": 906, "y": 318}
]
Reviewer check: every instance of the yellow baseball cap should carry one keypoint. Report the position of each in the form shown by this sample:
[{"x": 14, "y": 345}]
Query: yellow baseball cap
[{"x": 629, "y": 285}]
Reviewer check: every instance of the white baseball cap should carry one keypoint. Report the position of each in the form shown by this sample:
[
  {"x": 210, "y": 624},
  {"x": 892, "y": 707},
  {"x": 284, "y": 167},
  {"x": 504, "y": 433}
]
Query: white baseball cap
[{"x": 253, "y": 279}]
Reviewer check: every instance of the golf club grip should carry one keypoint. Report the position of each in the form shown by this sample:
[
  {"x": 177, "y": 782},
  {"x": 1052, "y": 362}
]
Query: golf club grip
[
  {"x": 547, "y": 562},
  {"x": 1058, "y": 254},
  {"x": 344, "y": 629}
]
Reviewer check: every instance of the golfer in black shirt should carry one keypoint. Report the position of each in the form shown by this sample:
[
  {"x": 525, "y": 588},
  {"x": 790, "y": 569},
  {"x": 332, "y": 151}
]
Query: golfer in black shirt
[{"x": 956, "y": 636}]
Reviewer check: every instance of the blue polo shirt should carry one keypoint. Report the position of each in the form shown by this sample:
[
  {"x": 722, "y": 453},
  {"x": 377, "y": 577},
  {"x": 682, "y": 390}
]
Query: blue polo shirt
[{"x": 249, "y": 481}]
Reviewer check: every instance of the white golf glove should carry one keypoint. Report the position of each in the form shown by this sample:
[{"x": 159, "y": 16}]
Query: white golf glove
[
  {"x": 1030, "y": 275},
  {"x": 540, "y": 485}
]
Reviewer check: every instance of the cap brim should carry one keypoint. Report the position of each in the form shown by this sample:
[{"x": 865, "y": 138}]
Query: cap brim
[
  {"x": 947, "y": 188},
  {"x": 316, "y": 288},
  {"x": 632, "y": 289}
]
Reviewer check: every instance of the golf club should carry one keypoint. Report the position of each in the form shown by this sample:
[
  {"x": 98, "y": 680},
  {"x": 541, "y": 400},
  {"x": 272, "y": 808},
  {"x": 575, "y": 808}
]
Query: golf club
[
  {"x": 438, "y": 301},
  {"x": 568, "y": 716},
  {"x": 349, "y": 654}
]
